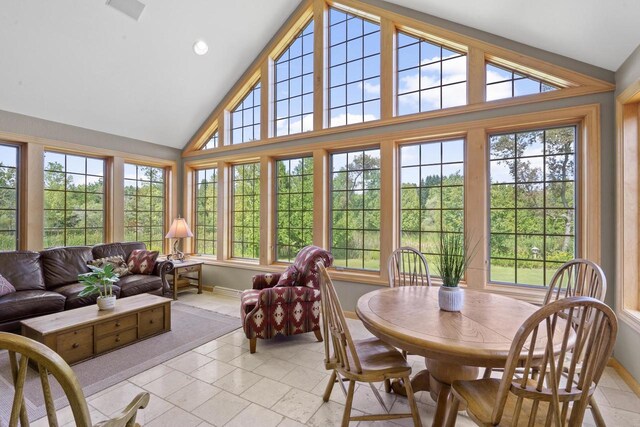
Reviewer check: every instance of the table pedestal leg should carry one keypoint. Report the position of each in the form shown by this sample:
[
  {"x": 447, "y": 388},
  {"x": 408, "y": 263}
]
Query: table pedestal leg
[
  {"x": 442, "y": 374},
  {"x": 420, "y": 382}
]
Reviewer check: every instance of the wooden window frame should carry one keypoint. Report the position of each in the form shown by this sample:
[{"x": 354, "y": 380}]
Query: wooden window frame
[
  {"x": 627, "y": 211},
  {"x": 18, "y": 189},
  {"x": 193, "y": 217},
  {"x": 475, "y": 134}
]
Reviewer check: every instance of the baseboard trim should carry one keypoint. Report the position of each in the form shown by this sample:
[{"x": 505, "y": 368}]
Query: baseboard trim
[
  {"x": 220, "y": 290},
  {"x": 625, "y": 375},
  {"x": 350, "y": 315}
]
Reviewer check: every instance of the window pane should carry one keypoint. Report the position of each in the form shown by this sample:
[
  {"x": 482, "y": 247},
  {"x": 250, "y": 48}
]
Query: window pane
[
  {"x": 430, "y": 77},
  {"x": 144, "y": 205},
  {"x": 245, "y": 118},
  {"x": 245, "y": 211},
  {"x": 355, "y": 209},
  {"x": 73, "y": 200},
  {"x": 8, "y": 197},
  {"x": 294, "y": 203},
  {"x": 212, "y": 142},
  {"x": 206, "y": 219},
  {"x": 432, "y": 194},
  {"x": 532, "y": 213},
  {"x": 504, "y": 83},
  {"x": 354, "y": 61}
]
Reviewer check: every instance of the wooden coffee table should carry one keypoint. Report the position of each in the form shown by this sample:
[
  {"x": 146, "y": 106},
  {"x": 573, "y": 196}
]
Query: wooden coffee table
[{"x": 86, "y": 332}]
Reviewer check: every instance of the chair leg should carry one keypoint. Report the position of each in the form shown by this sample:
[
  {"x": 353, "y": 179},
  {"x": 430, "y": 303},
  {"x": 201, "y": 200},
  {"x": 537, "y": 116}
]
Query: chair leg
[
  {"x": 347, "y": 406},
  {"x": 329, "y": 388},
  {"x": 595, "y": 410},
  {"x": 453, "y": 412},
  {"x": 412, "y": 401},
  {"x": 252, "y": 344},
  {"x": 318, "y": 335},
  {"x": 387, "y": 385},
  {"x": 487, "y": 373}
]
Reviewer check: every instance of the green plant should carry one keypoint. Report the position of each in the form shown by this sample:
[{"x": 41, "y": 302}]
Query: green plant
[
  {"x": 455, "y": 255},
  {"x": 98, "y": 280}
]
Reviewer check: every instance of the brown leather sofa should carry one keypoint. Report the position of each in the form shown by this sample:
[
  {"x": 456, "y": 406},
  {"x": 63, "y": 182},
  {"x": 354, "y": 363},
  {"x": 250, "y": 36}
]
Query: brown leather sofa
[{"x": 47, "y": 282}]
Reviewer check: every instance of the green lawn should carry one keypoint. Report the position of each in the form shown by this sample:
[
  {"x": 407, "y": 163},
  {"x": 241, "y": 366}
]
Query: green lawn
[{"x": 526, "y": 276}]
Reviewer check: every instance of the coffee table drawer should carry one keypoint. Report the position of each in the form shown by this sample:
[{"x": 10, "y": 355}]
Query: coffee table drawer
[
  {"x": 116, "y": 340},
  {"x": 116, "y": 325},
  {"x": 151, "y": 321},
  {"x": 75, "y": 345}
]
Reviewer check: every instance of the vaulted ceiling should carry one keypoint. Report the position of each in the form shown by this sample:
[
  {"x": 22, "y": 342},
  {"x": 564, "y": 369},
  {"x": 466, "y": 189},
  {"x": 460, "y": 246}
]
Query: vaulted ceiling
[{"x": 82, "y": 63}]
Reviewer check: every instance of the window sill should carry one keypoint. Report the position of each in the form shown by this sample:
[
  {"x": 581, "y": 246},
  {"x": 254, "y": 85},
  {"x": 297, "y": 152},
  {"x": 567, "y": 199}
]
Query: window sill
[
  {"x": 630, "y": 317},
  {"x": 530, "y": 295}
]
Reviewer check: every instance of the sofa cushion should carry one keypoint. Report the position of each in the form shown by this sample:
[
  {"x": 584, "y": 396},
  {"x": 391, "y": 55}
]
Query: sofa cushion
[
  {"x": 63, "y": 265},
  {"x": 22, "y": 269},
  {"x": 107, "y": 250},
  {"x": 27, "y": 304},
  {"x": 6, "y": 287},
  {"x": 135, "y": 284},
  {"x": 71, "y": 291},
  {"x": 120, "y": 267},
  {"x": 142, "y": 261}
]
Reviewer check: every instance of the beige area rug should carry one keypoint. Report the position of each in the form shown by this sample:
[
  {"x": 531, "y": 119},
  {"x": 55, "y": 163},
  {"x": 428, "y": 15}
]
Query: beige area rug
[{"x": 190, "y": 328}]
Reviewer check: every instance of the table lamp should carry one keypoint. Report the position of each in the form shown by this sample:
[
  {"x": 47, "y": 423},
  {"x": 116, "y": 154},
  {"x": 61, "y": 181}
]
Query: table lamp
[{"x": 179, "y": 229}]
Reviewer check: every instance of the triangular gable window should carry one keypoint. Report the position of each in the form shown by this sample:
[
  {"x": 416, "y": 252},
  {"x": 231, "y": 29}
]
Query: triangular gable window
[
  {"x": 506, "y": 83},
  {"x": 430, "y": 76},
  {"x": 245, "y": 118},
  {"x": 212, "y": 142}
]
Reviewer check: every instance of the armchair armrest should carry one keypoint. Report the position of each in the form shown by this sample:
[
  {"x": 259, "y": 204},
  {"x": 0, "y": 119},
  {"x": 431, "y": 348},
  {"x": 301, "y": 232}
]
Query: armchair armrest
[
  {"x": 161, "y": 269},
  {"x": 128, "y": 416},
  {"x": 263, "y": 281}
]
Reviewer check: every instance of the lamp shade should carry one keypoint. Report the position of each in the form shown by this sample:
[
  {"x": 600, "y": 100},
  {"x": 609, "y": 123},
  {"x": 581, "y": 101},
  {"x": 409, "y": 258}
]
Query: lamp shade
[{"x": 179, "y": 228}]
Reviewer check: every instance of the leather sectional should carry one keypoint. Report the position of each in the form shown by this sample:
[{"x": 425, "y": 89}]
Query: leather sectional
[{"x": 47, "y": 281}]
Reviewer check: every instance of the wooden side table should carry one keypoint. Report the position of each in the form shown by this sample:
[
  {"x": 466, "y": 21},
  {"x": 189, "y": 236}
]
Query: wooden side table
[{"x": 186, "y": 274}]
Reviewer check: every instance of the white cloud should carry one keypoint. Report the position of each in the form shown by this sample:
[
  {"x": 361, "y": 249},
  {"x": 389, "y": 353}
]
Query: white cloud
[
  {"x": 343, "y": 119},
  {"x": 497, "y": 91}
]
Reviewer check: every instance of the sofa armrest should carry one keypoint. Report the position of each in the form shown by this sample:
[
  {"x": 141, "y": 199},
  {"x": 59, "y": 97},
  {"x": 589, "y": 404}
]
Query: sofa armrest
[
  {"x": 161, "y": 269},
  {"x": 263, "y": 281}
]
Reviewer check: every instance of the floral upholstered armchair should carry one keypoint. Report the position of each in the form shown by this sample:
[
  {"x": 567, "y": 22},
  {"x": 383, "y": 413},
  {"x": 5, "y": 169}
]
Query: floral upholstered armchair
[{"x": 286, "y": 303}]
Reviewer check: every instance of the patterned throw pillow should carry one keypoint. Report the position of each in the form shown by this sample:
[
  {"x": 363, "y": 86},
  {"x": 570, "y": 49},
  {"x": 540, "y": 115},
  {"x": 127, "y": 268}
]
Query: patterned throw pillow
[
  {"x": 120, "y": 267},
  {"x": 6, "y": 288},
  {"x": 142, "y": 262},
  {"x": 289, "y": 277}
]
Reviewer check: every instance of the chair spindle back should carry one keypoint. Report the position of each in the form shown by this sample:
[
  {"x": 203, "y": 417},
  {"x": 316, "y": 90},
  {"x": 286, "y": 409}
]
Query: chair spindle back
[
  {"x": 578, "y": 277},
  {"x": 568, "y": 343},
  {"x": 335, "y": 329},
  {"x": 408, "y": 267}
]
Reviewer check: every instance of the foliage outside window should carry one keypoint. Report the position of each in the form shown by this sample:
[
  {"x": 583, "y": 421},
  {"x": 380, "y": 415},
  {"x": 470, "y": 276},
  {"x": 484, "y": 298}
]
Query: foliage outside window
[
  {"x": 430, "y": 76},
  {"x": 354, "y": 69},
  {"x": 355, "y": 209},
  {"x": 73, "y": 200},
  {"x": 144, "y": 204},
  {"x": 8, "y": 197},
  {"x": 294, "y": 85},
  {"x": 431, "y": 194},
  {"x": 212, "y": 142},
  {"x": 245, "y": 215},
  {"x": 245, "y": 118},
  {"x": 206, "y": 227},
  {"x": 532, "y": 211},
  {"x": 506, "y": 83},
  {"x": 294, "y": 198}
]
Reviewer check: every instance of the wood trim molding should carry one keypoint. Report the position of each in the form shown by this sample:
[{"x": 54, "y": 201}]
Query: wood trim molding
[{"x": 625, "y": 375}]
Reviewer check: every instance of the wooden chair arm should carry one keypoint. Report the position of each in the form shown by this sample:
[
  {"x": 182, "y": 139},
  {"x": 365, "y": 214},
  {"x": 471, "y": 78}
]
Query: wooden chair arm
[{"x": 127, "y": 417}]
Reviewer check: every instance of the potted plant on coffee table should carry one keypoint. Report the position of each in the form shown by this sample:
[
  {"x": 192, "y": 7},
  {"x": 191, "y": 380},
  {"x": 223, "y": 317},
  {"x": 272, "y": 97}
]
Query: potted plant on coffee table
[
  {"x": 455, "y": 256},
  {"x": 100, "y": 280}
]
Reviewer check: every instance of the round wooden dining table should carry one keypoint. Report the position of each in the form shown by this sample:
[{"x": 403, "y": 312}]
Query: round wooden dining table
[{"x": 454, "y": 344}]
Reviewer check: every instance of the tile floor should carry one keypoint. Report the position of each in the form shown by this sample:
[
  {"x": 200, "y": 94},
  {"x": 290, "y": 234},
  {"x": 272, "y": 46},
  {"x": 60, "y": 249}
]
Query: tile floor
[{"x": 221, "y": 384}]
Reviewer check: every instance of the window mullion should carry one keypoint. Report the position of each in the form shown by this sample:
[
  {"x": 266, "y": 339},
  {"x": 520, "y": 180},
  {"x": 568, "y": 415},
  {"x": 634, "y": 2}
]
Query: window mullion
[
  {"x": 387, "y": 68},
  {"x": 476, "y": 205},
  {"x": 319, "y": 61}
]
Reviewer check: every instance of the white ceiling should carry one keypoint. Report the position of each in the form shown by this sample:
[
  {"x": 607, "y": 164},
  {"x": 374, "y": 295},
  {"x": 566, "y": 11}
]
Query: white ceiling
[{"x": 82, "y": 63}]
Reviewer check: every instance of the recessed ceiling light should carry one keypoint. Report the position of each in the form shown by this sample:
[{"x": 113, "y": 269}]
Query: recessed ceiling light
[{"x": 200, "y": 47}]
